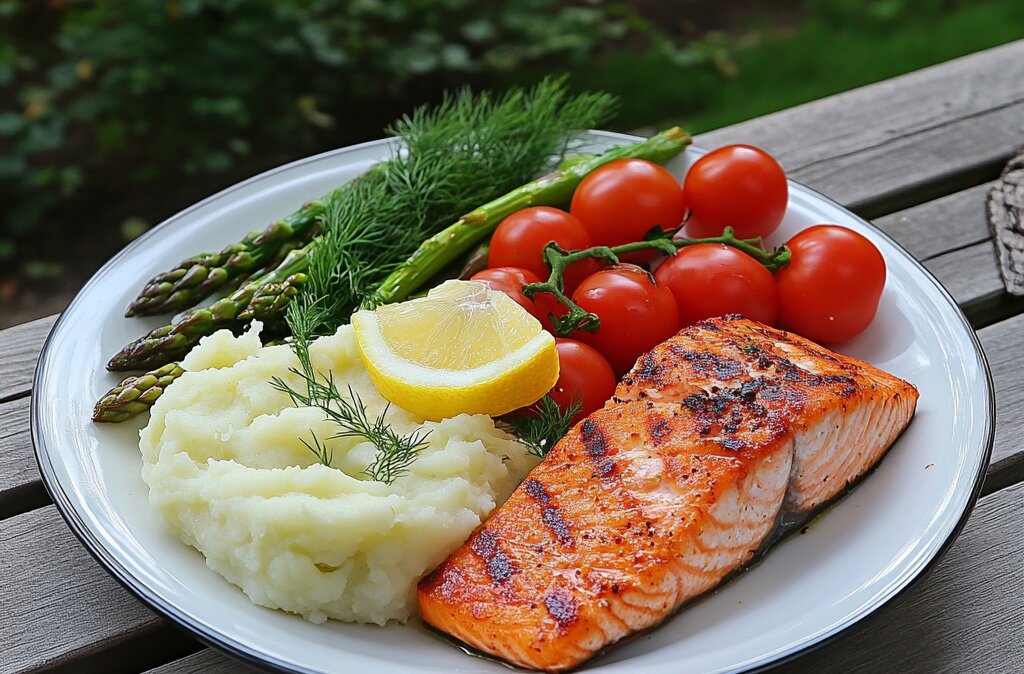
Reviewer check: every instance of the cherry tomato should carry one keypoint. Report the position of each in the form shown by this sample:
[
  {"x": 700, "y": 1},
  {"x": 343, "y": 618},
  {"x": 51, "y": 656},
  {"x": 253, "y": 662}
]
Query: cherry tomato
[
  {"x": 548, "y": 306},
  {"x": 520, "y": 239},
  {"x": 583, "y": 375},
  {"x": 711, "y": 279},
  {"x": 738, "y": 186},
  {"x": 626, "y": 198},
  {"x": 830, "y": 289},
  {"x": 510, "y": 280},
  {"x": 635, "y": 313}
]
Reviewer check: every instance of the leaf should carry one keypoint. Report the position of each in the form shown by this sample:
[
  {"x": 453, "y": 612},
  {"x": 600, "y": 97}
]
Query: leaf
[
  {"x": 12, "y": 166},
  {"x": 479, "y": 30},
  {"x": 455, "y": 57}
]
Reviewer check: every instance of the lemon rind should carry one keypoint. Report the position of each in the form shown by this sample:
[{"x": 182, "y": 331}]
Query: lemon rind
[{"x": 392, "y": 365}]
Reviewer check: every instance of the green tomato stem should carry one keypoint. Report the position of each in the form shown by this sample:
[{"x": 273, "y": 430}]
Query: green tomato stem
[{"x": 559, "y": 260}]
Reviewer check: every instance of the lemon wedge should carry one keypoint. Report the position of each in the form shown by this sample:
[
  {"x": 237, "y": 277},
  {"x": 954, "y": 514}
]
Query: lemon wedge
[{"x": 463, "y": 348}]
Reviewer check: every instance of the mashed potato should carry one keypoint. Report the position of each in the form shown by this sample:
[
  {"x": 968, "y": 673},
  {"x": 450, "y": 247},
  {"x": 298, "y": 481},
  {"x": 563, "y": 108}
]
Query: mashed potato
[{"x": 227, "y": 469}]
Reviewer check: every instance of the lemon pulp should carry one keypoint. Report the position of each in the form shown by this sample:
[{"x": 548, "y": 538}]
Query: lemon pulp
[{"x": 463, "y": 348}]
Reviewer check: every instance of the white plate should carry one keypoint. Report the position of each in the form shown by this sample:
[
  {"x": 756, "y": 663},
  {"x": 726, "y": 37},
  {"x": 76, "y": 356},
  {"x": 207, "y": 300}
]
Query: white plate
[{"x": 859, "y": 555}]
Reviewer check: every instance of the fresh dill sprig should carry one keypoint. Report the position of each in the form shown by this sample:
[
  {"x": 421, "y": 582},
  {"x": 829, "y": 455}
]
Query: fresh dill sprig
[
  {"x": 544, "y": 425},
  {"x": 322, "y": 452},
  {"x": 395, "y": 452},
  {"x": 456, "y": 156}
]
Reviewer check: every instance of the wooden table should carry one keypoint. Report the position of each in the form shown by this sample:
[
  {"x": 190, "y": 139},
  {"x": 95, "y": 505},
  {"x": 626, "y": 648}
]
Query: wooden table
[{"x": 916, "y": 154}]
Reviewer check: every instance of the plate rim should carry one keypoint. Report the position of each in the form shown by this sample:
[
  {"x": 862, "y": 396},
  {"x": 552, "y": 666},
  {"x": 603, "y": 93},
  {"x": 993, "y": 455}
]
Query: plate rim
[{"x": 215, "y": 639}]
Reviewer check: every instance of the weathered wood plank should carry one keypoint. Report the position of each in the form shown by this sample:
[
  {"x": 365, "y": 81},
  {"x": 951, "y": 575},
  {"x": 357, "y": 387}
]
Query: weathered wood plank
[
  {"x": 971, "y": 277},
  {"x": 19, "y": 350},
  {"x": 902, "y": 141},
  {"x": 933, "y": 228},
  {"x": 966, "y": 616},
  {"x": 60, "y": 607},
  {"x": 1003, "y": 344},
  {"x": 208, "y": 661},
  {"x": 20, "y": 486}
]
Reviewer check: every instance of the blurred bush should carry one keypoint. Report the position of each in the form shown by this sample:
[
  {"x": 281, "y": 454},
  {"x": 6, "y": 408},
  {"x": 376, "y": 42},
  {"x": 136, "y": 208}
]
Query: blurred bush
[{"x": 137, "y": 92}]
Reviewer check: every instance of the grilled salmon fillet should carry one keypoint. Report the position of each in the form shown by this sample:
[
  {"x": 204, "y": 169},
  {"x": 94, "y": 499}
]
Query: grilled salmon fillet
[{"x": 672, "y": 486}]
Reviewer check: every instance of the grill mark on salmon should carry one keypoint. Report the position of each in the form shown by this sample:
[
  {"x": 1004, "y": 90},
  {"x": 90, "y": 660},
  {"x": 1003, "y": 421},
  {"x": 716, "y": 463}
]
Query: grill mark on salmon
[
  {"x": 593, "y": 438},
  {"x": 658, "y": 430},
  {"x": 596, "y": 445},
  {"x": 550, "y": 514},
  {"x": 499, "y": 565},
  {"x": 713, "y": 437},
  {"x": 562, "y": 606}
]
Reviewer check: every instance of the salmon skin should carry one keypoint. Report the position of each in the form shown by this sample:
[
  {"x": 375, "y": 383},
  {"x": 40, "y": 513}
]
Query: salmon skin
[{"x": 671, "y": 487}]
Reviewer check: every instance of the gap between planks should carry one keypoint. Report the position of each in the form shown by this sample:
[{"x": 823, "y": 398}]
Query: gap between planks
[{"x": 19, "y": 351}]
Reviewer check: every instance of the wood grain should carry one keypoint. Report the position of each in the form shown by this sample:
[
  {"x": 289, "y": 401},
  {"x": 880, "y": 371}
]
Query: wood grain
[
  {"x": 208, "y": 661},
  {"x": 903, "y": 141},
  {"x": 1005, "y": 206},
  {"x": 951, "y": 236},
  {"x": 19, "y": 350},
  {"x": 1003, "y": 344},
  {"x": 950, "y": 223},
  {"x": 970, "y": 275},
  {"x": 58, "y": 604},
  {"x": 20, "y": 486}
]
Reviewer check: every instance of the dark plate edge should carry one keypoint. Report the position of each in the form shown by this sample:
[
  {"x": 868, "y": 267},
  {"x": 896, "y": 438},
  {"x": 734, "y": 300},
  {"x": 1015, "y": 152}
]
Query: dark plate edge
[{"x": 270, "y": 663}]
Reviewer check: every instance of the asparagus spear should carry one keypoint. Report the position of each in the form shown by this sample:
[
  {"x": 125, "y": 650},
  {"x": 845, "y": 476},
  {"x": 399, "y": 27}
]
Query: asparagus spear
[
  {"x": 170, "y": 342},
  {"x": 258, "y": 299},
  {"x": 196, "y": 278},
  {"x": 135, "y": 395},
  {"x": 553, "y": 189},
  {"x": 270, "y": 301}
]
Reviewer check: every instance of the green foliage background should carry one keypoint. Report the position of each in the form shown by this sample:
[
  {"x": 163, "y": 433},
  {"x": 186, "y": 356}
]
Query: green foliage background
[
  {"x": 116, "y": 113},
  {"x": 159, "y": 91}
]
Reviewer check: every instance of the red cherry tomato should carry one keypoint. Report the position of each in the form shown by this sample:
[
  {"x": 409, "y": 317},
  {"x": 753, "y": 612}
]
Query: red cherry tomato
[
  {"x": 635, "y": 313},
  {"x": 583, "y": 375},
  {"x": 711, "y": 279},
  {"x": 520, "y": 239},
  {"x": 510, "y": 280},
  {"x": 738, "y": 186},
  {"x": 626, "y": 198},
  {"x": 548, "y": 306},
  {"x": 830, "y": 289}
]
